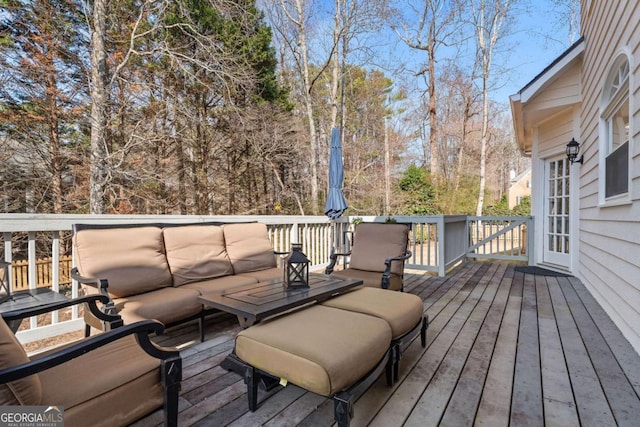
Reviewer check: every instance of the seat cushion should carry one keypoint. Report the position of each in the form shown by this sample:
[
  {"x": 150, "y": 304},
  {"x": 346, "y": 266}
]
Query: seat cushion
[
  {"x": 249, "y": 247},
  {"x": 113, "y": 385},
  {"x": 25, "y": 391},
  {"x": 166, "y": 305},
  {"x": 401, "y": 311},
  {"x": 267, "y": 275},
  {"x": 219, "y": 284},
  {"x": 196, "y": 252},
  {"x": 371, "y": 279},
  {"x": 375, "y": 242},
  {"x": 321, "y": 349},
  {"x": 131, "y": 259}
]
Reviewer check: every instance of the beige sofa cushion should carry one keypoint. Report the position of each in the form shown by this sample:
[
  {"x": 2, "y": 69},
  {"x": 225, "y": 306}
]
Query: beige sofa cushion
[
  {"x": 375, "y": 242},
  {"x": 305, "y": 348},
  {"x": 168, "y": 305},
  {"x": 371, "y": 279},
  {"x": 131, "y": 259},
  {"x": 196, "y": 252},
  {"x": 268, "y": 275},
  {"x": 25, "y": 391},
  {"x": 219, "y": 284},
  {"x": 401, "y": 311},
  {"x": 249, "y": 247},
  {"x": 113, "y": 385}
]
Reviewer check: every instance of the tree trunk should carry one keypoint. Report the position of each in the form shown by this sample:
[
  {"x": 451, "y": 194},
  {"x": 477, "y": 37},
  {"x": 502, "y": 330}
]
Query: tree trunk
[
  {"x": 483, "y": 144},
  {"x": 313, "y": 158},
  {"x": 433, "y": 118},
  {"x": 99, "y": 79}
]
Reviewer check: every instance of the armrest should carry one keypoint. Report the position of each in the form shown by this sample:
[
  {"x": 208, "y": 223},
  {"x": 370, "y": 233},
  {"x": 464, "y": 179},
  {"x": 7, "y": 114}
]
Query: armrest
[
  {"x": 102, "y": 285},
  {"x": 387, "y": 271},
  {"x": 142, "y": 330},
  {"x": 91, "y": 301},
  {"x": 334, "y": 258}
]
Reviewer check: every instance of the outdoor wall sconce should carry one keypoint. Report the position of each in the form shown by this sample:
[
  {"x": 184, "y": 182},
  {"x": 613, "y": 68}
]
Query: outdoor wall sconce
[
  {"x": 296, "y": 269},
  {"x": 573, "y": 148}
]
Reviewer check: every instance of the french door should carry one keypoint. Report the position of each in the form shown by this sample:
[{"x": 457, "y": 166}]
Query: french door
[{"x": 556, "y": 209}]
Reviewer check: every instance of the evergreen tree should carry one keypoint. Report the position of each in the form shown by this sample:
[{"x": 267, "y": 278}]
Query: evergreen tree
[{"x": 43, "y": 94}]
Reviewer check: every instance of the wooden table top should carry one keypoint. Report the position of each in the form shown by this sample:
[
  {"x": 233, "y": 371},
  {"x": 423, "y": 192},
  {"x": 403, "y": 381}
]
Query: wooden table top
[{"x": 260, "y": 300}]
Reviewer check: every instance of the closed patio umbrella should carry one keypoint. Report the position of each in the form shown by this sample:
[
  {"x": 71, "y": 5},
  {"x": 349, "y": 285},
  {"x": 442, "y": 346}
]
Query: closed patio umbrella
[{"x": 336, "y": 203}]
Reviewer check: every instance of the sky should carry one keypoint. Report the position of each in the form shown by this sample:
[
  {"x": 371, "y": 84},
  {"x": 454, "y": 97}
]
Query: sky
[
  {"x": 539, "y": 41},
  {"x": 537, "y": 38}
]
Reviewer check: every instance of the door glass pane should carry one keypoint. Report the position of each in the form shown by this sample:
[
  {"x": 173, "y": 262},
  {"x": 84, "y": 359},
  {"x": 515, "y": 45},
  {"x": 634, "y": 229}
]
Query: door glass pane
[{"x": 557, "y": 200}]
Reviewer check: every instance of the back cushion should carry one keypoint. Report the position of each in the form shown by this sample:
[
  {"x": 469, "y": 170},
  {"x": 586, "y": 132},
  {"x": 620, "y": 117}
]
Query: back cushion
[
  {"x": 373, "y": 243},
  {"x": 25, "y": 391},
  {"x": 249, "y": 247},
  {"x": 131, "y": 259},
  {"x": 196, "y": 252}
]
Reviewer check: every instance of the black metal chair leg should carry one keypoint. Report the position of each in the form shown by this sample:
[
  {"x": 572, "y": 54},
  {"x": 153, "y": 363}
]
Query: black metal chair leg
[
  {"x": 201, "y": 327},
  {"x": 87, "y": 331},
  {"x": 423, "y": 331},
  {"x": 343, "y": 410},
  {"x": 390, "y": 368},
  {"x": 250, "y": 378},
  {"x": 171, "y": 377}
]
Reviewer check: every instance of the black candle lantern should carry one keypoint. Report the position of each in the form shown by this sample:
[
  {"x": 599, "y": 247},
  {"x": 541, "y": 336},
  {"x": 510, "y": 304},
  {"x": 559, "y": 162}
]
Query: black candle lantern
[{"x": 296, "y": 269}]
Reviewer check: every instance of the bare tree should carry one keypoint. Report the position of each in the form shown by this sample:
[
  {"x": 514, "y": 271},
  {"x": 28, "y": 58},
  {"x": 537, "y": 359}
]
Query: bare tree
[
  {"x": 568, "y": 13},
  {"x": 427, "y": 25},
  {"x": 488, "y": 17}
]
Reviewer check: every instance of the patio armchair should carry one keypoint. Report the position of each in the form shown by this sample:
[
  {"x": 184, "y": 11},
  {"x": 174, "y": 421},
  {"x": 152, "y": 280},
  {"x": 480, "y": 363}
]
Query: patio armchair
[
  {"x": 377, "y": 255},
  {"x": 111, "y": 379}
]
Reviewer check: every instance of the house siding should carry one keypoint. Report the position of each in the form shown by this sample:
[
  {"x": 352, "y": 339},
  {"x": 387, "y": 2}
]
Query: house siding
[
  {"x": 553, "y": 135},
  {"x": 563, "y": 91},
  {"x": 609, "y": 253}
]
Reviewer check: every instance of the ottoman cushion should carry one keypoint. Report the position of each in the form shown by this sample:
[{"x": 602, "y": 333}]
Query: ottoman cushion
[
  {"x": 402, "y": 311},
  {"x": 321, "y": 349}
]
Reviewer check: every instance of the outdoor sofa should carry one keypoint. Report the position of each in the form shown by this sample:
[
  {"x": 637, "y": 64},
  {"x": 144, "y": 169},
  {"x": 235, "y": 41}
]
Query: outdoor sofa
[{"x": 158, "y": 271}]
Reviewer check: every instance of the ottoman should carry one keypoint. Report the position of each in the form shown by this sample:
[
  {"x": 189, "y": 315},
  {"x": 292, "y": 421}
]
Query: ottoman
[
  {"x": 403, "y": 312},
  {"x": 332, "y": 352}
]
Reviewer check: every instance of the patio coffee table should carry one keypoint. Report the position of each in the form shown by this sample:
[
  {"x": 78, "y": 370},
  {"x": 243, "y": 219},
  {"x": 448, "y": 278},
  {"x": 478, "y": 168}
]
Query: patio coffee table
[{"x": 252, "y": 303}]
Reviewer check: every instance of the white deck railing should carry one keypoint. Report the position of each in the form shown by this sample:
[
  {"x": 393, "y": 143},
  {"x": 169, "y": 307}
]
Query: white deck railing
[{"x": 437, "y": 243}]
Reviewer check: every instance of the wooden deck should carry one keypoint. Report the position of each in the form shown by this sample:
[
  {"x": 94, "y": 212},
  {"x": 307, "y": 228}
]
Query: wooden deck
[{"x": 504, "y": 348}]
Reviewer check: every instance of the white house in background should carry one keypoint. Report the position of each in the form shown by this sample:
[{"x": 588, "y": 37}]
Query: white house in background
[
  {"x": 520, "y": 187},
  {"x": 587, "y": 215}
]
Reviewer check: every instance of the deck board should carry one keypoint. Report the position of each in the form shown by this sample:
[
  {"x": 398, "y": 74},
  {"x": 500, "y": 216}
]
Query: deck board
[{"x": 504, "y": 348}]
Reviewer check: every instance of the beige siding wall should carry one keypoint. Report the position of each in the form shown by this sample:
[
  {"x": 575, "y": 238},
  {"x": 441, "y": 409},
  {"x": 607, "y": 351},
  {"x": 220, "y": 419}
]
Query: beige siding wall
[
  {"x": 555, "y": 133},
  {"x": 609, "y": 261},
  {"x": 563, "y": 91}
]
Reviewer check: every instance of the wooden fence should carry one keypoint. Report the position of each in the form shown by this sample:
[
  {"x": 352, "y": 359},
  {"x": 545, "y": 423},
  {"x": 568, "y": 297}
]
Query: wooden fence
[{"x": 44, "y": 273}]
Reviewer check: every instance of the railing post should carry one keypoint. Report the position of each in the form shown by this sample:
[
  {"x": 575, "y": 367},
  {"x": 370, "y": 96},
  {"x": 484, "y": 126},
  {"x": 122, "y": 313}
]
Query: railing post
[
  {"x": 295, "y": 232},
  {"x": 442, "y": 262},
  {"x": 55, "y": 272},
  {"x": 8, "y": 258},
  {"x": 530, "y": 241}
]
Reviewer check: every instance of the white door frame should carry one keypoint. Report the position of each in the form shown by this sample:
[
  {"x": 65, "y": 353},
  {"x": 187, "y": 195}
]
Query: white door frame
[{"x": 557, "y": 218}]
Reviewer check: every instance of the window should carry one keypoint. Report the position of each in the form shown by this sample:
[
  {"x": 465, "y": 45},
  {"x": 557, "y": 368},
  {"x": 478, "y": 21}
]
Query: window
[{"x": 615, "y": 122}]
